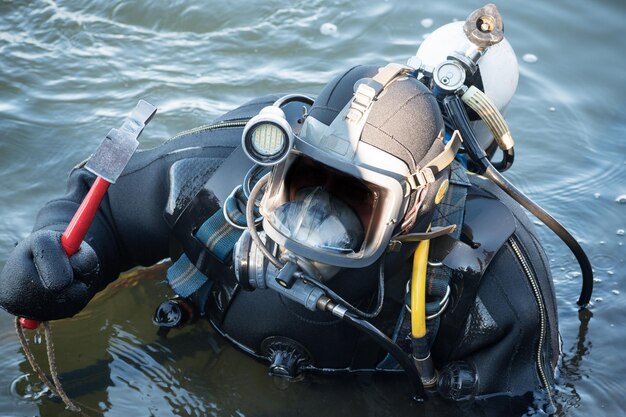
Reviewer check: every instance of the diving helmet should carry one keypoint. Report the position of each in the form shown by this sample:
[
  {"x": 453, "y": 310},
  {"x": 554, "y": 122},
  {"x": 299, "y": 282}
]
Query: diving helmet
[{"x": 365, "y": 165}]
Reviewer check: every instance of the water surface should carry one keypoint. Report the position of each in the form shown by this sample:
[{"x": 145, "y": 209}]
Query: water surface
[{"x": 72, "y": 70}]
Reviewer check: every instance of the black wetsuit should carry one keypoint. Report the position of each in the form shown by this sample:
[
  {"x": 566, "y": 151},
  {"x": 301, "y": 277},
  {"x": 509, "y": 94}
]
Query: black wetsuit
[{"x": 503, "y": 321}]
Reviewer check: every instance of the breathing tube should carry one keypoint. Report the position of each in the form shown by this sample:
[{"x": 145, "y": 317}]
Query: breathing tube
[
  {"x": 421, "y": 348},
  {"x": 418, "y": 290},
  {"x": 456, "y": 111}
]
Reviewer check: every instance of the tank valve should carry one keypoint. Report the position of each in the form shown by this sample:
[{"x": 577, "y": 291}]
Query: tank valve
[{"x": 484, "y": 27}]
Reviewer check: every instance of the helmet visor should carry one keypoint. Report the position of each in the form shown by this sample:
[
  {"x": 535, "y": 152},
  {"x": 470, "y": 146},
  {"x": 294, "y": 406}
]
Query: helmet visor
[
  {"x": 320, "y": 220},
  {"x": 324, "y": 209}
]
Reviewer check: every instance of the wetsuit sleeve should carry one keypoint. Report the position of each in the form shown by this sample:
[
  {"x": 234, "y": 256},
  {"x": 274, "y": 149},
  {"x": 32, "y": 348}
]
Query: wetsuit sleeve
[{"x": 129, "y": 228}]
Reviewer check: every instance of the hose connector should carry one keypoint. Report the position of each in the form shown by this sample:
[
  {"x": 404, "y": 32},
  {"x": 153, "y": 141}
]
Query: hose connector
[
  {"x": 426, "y": 369},
  {"x": 489, "y": 113}
]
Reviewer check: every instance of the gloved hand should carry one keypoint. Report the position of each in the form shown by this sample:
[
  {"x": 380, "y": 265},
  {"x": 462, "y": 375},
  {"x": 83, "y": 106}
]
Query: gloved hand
[{"x": 40, "y": 282}]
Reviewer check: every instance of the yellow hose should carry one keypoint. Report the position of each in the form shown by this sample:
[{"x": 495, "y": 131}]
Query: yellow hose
[{"x": 418, "y": 290}]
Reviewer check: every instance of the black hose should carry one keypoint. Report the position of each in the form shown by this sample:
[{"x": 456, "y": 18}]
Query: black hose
[
  {"x": 394, "y": 350},
  {"x": 555, "y": 226},
  {"x": 340, "y": 300},
  {"x": 456, "y": 112},
  {"x": 458, "y": 116},
  {"x": 508, "y": 157}
]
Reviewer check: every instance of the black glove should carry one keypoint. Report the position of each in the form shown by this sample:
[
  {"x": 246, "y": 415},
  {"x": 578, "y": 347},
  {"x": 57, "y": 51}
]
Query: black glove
[{"x": 40, "y": 282}]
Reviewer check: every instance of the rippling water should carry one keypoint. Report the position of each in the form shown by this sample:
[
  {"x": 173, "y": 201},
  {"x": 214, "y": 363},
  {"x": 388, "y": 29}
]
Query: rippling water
[{"x": 72, "y": 70}]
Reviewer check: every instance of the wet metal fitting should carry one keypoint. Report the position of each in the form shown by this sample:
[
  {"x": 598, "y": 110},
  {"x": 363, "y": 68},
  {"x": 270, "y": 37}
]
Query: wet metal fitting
[
  {"x": 427, "y": 370},
  {"x": 448, "y": 77}
]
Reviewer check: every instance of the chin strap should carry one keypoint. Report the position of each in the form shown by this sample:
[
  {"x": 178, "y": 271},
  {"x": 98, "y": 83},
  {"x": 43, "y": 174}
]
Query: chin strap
[{"x": 426, "y": 175}]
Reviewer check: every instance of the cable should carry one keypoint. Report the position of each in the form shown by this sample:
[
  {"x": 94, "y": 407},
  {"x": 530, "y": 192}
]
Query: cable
[
  {"x": 291, "y": 98},
  {"x": 252, "y": 227},
  {"x": 338, "y": 299},
  {"x": 249, "y": 177},
  {"x": 55, "y": 387},
  {"x": 394, "y": 350},
  {"x": 555, "y": 226}
]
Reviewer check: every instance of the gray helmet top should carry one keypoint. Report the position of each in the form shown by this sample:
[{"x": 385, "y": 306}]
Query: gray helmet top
[{"x": 405, "y": 122}]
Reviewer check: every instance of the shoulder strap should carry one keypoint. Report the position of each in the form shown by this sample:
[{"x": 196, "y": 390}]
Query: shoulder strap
[{"x": 206, "y": 236}]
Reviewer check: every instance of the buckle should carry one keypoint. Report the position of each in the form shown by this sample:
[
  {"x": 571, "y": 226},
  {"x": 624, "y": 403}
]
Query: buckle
[
  {"x": 422, "y": 177},
  {"x": 364, "y": 95}
]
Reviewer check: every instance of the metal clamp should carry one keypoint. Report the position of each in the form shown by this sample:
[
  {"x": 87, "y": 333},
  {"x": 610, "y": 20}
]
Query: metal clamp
[{"x": 443, "y": 304}]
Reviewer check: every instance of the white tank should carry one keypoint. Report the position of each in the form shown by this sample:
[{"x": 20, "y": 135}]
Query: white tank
[{"x": 498, "y": 67}]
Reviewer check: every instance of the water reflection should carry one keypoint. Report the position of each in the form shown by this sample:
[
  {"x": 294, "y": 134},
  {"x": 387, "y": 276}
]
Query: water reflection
[
  {"x": 192, "y": 371},
  {"x": 71, "y": 69},
  {"x": 571, "y": 369}
]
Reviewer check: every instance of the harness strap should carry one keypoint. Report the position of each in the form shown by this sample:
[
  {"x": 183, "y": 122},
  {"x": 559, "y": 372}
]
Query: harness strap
[
  {"x": 427, "y": 174},
  {"x": 219, "y": 237},
  {"x": 367, "y": 92},
  {"x": 207, "y": 252}
]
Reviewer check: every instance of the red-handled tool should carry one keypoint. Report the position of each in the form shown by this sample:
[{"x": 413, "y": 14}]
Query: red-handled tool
[
  {"x": 77, "y": 229},
  {"x": 107, "y": 162}
]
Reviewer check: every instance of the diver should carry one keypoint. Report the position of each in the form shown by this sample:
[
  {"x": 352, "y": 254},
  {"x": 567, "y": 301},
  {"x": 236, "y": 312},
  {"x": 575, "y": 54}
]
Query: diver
[{"x": 345, "y": 233}]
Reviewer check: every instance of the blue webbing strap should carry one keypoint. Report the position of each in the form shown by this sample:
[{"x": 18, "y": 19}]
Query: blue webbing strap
[
  {"x": 219, "y": 237},
  {"x": 184, "y": 278}
]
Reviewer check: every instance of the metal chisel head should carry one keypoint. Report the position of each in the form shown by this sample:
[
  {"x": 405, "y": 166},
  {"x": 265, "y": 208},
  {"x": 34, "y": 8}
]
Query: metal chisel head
[{"x": 111, "y": 157}]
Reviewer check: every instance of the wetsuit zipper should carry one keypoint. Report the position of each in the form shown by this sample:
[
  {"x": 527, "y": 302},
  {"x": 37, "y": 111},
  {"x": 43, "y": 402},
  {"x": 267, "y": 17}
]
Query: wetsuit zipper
[
  {"x": 542, "y": 313},
  {"x": 213, "y": 126}
]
